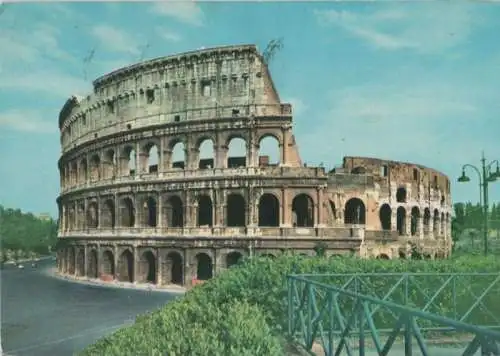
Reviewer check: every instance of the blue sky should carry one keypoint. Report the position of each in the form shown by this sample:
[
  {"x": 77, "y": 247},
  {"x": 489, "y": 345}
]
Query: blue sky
[{"x": 404, "y": 81}]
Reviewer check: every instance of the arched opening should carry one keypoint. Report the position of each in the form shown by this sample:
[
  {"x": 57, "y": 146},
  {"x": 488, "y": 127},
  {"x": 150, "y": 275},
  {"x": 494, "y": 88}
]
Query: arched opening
[
  {"x": 127, "y": 212},
  {"x": 401, "y": 220},
  {"x": 385, "y": 215},
  {"x": 436, "y": 222},
  {"x": 152, "y": 158},
  {"x": 415, "y": 218},
  {"x": 151, "y": 212},
  {"x": 206, "y": 154},
  {"x": 92, "y": 266},
  {"x": 442, "y": 200},
  {"x": 108, "y": 213},
  {"x": 355, "y": 212},
  {"x": 174, "y": 261},
  {"x": 73, "y": 172},
  {"x": 427, "y": 220},
  {"x": 235, "y": 210},
  {"x": 110, "y": 163},
  {"x": 175, "y": 212},
  {"x": 178, "y": 155},
  {"x": 131, "y": 156},
  {"x": 401, "y": 195},
  {"x": 402, "y": 255},
  {"x": 233, "y": 258},
  {"x": 108, "y": 264},
  {"x": 95, "y": 163},
  {"x": 204, "y": 267},
  {"x": 269, "y": 151},
  {"x": 237, "y": 153},
  {"x": 303, "y": 211},
  {"x": 442, "y": 225},
  {"x": 126, "y": 267},
  {"x": 383, "y": 256},
  {"x": 92, "y": 215},
  {"x": 205, "y": 211},
  {"x": 358, "y": 170},
  {"x": 269, "y": 210},
  {"x": 80, "y": 263},
  {"x": 83, "y": 171},
  {"x": 149, "y": 267}
]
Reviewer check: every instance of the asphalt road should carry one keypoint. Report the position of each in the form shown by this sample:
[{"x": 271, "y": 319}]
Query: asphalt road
[{"x": 42, "y": 315}]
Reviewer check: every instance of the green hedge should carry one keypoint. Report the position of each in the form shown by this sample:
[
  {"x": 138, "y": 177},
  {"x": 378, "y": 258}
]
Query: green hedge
[{"x": 243, "y": 311}]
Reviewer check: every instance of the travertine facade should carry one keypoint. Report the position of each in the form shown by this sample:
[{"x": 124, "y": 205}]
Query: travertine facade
[{"x": 131, "y": 210}]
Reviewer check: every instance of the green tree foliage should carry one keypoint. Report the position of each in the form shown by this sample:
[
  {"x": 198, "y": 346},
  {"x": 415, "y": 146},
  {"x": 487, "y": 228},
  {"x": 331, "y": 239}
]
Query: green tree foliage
[
  {"x": 25, "y": 232},
  {"x": 244, "y": 310}
]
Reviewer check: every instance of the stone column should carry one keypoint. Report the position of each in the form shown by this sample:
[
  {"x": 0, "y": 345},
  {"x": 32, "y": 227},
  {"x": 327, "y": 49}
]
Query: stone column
[
  {"x": 159, "y": 264},
  {"x": 319, "y": 205},
  {"x": 284, "y": 148},
  {"x": 420, "y": 227}
]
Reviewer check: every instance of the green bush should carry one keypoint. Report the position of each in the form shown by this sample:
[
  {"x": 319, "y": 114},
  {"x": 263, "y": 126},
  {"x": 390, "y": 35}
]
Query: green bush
[{"x": 244, "y": 310}]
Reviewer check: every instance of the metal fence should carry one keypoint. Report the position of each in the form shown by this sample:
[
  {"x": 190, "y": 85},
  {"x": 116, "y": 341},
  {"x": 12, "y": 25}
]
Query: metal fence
[{"x": 336, "y": 314}]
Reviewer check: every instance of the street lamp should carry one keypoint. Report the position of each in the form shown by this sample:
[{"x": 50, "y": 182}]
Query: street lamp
[{"x": 486, "y": 176}]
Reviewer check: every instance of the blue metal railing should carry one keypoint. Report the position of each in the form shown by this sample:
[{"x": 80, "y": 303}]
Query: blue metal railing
[{"x": 332, "y": 309}]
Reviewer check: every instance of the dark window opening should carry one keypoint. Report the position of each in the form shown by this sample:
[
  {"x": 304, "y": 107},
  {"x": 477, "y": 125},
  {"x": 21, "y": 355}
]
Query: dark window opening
[
  {"x": 236, "y": 112},
  {"x": 177, "y": 118},
  {"x": 153, "y": 168},
  {"x": 384, "y": 170},
  {"x": 111, "y": 107},
  {"x": 415, "y": 174},
  {"x": 150, "y": 96},
  {"x": 129, "y": 126},
  {"x": 84, "y": 120}
]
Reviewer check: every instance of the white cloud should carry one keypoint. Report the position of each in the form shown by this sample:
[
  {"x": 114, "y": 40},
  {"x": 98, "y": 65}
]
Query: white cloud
[
  {"x": 45, "y": 81},
  {"x": 26, "y": 121},
  {"x": 168, "y": 35},
  {"x": 115, "y": 40},
  {"x": 425, "y": 27},
  {"x": 186, "y": 11}
]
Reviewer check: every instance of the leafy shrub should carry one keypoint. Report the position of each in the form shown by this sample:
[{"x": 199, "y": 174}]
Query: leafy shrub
[{"x": 244, "y": 310}]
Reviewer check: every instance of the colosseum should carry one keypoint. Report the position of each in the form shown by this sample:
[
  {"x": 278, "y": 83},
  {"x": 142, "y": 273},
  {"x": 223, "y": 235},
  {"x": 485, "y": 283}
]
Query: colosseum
[{"x": 141, "y": 200}]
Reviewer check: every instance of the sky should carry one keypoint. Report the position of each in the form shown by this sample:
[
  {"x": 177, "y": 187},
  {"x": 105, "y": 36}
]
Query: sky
[{"x": 408, "y": 81}]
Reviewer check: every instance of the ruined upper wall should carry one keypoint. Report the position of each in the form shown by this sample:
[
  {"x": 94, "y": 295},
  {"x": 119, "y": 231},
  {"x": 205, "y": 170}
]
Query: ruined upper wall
[
  {"x": 204, "y": 84},
  {"x": 386, "y": 172}
]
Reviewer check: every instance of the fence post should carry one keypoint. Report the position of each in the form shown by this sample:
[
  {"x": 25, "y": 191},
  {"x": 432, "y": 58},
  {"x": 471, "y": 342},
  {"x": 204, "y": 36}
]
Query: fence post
[{"x": 408, "y": 335}]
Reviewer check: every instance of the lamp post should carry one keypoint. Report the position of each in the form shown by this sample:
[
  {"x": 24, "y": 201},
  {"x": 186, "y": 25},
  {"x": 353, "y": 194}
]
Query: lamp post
[{"x": 486, "y": 176}]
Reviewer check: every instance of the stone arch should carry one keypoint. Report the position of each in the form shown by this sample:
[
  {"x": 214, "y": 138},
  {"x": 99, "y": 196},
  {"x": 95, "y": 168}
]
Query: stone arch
[
  {"x": 152, "y": 157},
  {"x": 415, "y": 220},
  {"x": 401, "y": 195},
  {"x": 92, "y": 215},
  {"x": 385, "y": 216},
  {"x": 71, "y": 260},
  {"x": 109, "y": 163},
  {"x": 303, "y": 210},
  {"x": 233, "y": 258},
  {"x": 126, "y": 266},
  {"x": 205, "y": 211},
  {"x": 358, "y": 170},
  {"x": 150, "y": 212},
  {"x": 436, "y": 222},
  {"x": 108, "y": 264},
  {"x": 427, "y": 220},
  {"x": 92, "y": 270},
  {"x": 178, "y": 154},
  {"x": 175, "y": 268},
  {"x": 127, "y": 212},
  {"x": 80, "y": 216},
  {"x": 108, "y": 213},
  {"x": 148, "y": 266},
  {"x": 128, "y": 159},
  {"x": 401, "y": 220},
  {"x": 355, "y": 212},
  {"x": 383, "y": 256},
  {"x": 204, "y": 267},
  {"x": 80, "y": 263},
  {"x": 174, "y": 211},
  {"x": 206, "y": 153},
  {"x": 236, "y": 210},
  {"x": 269, "y": 150},
  {"x": 83, "y": 168},
  {"x": 236, "y": 152},
  {"x": 95, "y": 165},
  {"x": 269, "y": 210}
]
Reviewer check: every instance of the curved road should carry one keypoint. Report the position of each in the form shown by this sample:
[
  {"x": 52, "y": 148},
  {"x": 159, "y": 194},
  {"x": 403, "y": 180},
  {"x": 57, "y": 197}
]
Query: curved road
[{"x": 43, "y": 315}]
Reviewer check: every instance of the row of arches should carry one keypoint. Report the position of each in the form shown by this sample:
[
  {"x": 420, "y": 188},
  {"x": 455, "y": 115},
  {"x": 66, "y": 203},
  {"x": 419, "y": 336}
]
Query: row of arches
[
  {"x": 147, "y": 269},
  {"x": 402, "y": 196},
  {"x": 109, "y": 164},
  {"x": 439, "y": 220}
]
